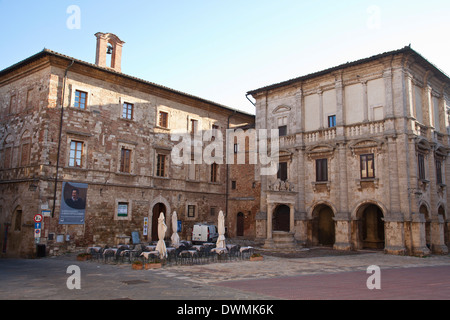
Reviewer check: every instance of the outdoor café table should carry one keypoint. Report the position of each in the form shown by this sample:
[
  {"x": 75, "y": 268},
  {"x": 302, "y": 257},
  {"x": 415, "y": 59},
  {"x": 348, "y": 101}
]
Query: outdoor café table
[
  {"x": 189, "y": 253},
  {"x": 170, "y": 249},
  {"x": 197, "y": 247},
  {"x": 109, "y": 250},
  {"x": 96, "y": 249},
  {"x": 219, "y": 250},
  {"x": 151, "y": 253},
  {"x": 151, "y": 248}
]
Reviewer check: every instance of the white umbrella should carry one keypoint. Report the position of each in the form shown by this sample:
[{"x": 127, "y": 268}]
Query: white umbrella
[
  {"x": 161, "y": 246},
  {"x": 175, "y": 238},
  {"x": 221, "y": 228}
]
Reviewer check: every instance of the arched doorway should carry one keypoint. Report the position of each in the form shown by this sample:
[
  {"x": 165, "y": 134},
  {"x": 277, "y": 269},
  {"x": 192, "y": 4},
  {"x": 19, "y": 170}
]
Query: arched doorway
[
  {"x": 424, "y": 210},
  {"x": 157, "y": 209},
  {"x": 371, "y": 227},
  {"x": 281, "y": 218},
  {"x": 323, "y": 226},
  {"x": 441, "y": 212},
  {"x": 240, "y": 225},
  {"x": 15, "y": 234}
]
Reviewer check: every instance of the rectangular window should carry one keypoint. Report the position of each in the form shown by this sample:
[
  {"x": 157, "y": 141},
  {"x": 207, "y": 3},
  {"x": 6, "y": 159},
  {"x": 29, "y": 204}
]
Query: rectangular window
[
  {"x": 12, "y": 103},
  {"x": 236, "y": 148},
  {"x": 122, "y": 209},
  {"x": 332, "y": 121},
  {"x": 29, "y": 98},
  {"x": 80, "y": 99},
  {"x": 212, "y": 211},
  {"x": 127, "y": 111},
  {"x": 76, "y": 153},
  {"x": 282, "y": 171},
  {"x": 125, "y": 160},
  {"x": 438, "y": 171},
  {"x": 7, "y": 160},
  {"x": 282, "y": 131},
  {"x": 191, "y": 211},
  {"x": 421, "y": 164},
  {"x": 163, "y": 119},
  {"x": 25, "y": 156},
  {"x": 194, "y": 126},
  {"x": 367, "y": 166},
  {"x": 233, "y": 185},
  {"x": 214, "y": 168},
  {"x": 215, "y": 129},
  {"x": 161, "y": 165},
  {"x": 321, "y": 170}
]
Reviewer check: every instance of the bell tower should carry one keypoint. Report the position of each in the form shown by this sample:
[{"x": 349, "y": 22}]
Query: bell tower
[{"x": 108, "y": 43}]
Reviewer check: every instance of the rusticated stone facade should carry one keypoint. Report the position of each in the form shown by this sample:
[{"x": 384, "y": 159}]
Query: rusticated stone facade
[
  {"x": 114, "y": 136},
  {"x": 365, "y": 152}
]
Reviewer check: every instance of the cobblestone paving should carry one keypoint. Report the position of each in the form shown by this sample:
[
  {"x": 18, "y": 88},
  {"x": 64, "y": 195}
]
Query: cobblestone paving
[{"x": 307, "y": 262}]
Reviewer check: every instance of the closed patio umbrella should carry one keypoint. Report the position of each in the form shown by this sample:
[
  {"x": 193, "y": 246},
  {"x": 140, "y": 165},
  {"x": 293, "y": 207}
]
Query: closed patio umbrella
[
  {"x": 161, "y": 245},
  {"x": 175, "y": 238},
  {"x": 221, "y": 229}
]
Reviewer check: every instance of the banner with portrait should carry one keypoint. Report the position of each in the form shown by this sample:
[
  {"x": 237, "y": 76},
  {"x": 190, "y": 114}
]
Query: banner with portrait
[{"x": 73, "y": 203}]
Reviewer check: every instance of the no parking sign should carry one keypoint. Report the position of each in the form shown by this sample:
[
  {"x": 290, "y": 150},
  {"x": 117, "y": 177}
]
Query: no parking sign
[{"x": 37, "y": 225}]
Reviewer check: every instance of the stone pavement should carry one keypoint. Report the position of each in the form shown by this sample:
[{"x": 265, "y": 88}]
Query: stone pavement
[{"x": 291, "y": 277}]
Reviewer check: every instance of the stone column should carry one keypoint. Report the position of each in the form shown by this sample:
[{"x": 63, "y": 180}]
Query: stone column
[
  {"x": 394, "y": 234},
  {"x": 419, "y": 246},
  {"x": 437, "y": 235},
  {"x": 291, "y": 218},
  {"x": 342, "y": 231},
  {"x": 269, "y": 240}
]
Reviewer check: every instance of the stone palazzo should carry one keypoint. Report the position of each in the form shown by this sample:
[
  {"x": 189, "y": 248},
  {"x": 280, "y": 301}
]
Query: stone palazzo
[{"x": 363, "y": 159}]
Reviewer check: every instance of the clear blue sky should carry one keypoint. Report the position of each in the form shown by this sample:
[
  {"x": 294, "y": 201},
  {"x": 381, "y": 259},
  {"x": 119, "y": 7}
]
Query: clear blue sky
[{"x": 219, "y": 50}]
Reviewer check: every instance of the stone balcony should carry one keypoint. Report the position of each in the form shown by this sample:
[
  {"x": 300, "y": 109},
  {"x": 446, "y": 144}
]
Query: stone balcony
[{"x": 329, "y": 134}]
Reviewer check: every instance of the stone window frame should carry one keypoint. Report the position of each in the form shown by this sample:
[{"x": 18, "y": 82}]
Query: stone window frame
[
  {"x": 168, "y": 111},
  {"x": 128, "y": 106},
  {"x": 74, "y": 88},
  {"x": 319, "y": 177},
  {"x": 13, "y": 102},
  {"x": 214, "y": 173},
  {"x": 165, "y": 152},
  {"x": 368, "y": 157},
  {"x": 80, "y": 137},
  {"x": 25, "y": 146},
  {"x": 129, "y": 146},
  {"x": 195, "y": 206},
  {"x": 317, "y": 152},
  {"x": 362, "y": 147}
]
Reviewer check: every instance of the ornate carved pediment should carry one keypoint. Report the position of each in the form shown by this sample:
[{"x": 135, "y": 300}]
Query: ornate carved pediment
[
  {"x": 281, "y": 108},
  {"x": 423, "y": 146},
  {"x": 362, "y": 146},
  {"x": 441, "y": 151},
  {"x": 320, "y": 151}
]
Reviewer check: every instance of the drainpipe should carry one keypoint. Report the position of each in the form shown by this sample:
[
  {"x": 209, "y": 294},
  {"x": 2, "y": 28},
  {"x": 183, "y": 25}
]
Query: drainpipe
[
  {"x": 60, "y": 134},
  {"x": 249, "y": 99},
  {"x": 228, "y": 170}
]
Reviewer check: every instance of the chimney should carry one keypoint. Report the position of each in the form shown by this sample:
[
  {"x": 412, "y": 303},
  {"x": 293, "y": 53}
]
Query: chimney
[{"x": 108, "y": 43}]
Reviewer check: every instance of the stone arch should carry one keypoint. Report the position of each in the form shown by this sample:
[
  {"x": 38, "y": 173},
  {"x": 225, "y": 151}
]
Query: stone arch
[
  {"x": 281, "y": 218},
  {"x": 323, "y": 225},
  {"x": 322, "y": 202},
  {"x": 153, "y": 218},
  {"x": 368, "y": 228},
  {"x": 442, "y": 212}
]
